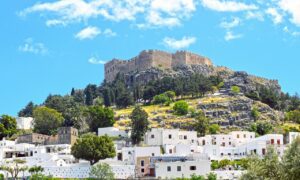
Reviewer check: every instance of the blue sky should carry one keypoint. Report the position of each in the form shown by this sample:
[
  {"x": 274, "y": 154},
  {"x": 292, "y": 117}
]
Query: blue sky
[{"x": 52, "y": 46}]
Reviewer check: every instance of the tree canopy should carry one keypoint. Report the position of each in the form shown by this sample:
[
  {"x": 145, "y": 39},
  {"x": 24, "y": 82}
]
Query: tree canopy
[
  {"x": 47, "y": 120},
  {"x": 8, "y": 126},
  {"x": 99, "y": 116},
  {"x": 139, "y": 124},
  {"x": 93, "y": 148}
]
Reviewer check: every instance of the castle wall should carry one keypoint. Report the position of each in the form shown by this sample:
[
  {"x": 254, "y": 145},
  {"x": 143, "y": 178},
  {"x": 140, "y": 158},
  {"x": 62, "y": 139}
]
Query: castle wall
[
  {"x": 179, "y": 58},
  {"x": 196, "y": 59},
  {"x": 162, "y": 59},
  {"x": 152, "y": 58}
]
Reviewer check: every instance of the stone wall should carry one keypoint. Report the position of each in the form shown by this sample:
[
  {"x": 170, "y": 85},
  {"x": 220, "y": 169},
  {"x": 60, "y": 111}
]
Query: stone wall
[{"x": 152, "y": 58}]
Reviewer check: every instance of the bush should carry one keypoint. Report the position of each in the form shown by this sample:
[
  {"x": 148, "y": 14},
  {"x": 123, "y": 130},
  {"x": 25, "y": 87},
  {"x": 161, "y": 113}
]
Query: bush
[
  {"x": 293, "y": 116},
  {"x": 214, "y": 128},
  {"x": 261, "y": 128},
  {"x": 235, "y": 89},
  {"x": 161, "y": 99},
  {"x": 181, "y": 107}
]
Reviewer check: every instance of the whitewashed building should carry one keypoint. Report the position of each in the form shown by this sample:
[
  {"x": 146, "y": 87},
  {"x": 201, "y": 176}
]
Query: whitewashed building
[
  {"x": 171, "y": 167},
  {"x": 25, "y": 123},
  {"x": 112, "y": 132},
  {"x": 160, "y": 136},
  {"x": 237, "y": 145},
  {"x": 292, "y": 136}
]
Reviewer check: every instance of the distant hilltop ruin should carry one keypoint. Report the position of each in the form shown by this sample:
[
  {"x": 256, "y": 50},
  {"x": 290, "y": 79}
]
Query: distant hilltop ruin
[{"x": 153, "y": 58}]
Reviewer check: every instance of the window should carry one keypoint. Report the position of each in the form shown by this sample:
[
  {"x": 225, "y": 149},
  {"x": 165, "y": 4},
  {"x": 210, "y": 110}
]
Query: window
[
  {"x": 169, "y": 168},
  {"x": 223, "y": 143},
  {"x": 229, "y": 143},
  {"x": 237, "y": 136},
  {"x": 203, "y": 142},
  {"x": 152, "y": 136},
  {"x": 272, "y": 141},
  {"x": 263, "y": 151},
  {"x": 178, "y": 168},
  {"x": 193, "y": 168},
  {"x": 170, "y": 136},
  {"x": 184, "y": 137},
  {"x": 278, "y": 141},
  {"x": 152, "y": 154},
  {"x": 142, "y": 170},
  {"x": 170, "y": 151},
  {"x": 245, "y": 136},
  {"x": 142, "y": 163}
]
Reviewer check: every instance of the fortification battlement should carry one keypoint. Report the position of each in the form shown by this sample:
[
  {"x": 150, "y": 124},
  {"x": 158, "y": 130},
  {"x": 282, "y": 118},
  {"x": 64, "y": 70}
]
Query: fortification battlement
[{"x": 152, "y": 58}]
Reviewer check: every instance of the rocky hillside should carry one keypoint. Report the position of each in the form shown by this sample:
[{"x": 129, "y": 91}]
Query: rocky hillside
[
  {"x": 246, "y": 82},
  {"x": 227, "y": 111}
]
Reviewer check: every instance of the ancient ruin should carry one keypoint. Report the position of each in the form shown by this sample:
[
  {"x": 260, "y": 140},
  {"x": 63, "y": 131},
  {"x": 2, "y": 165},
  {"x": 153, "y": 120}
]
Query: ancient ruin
[{"x": 153, "y": 58}]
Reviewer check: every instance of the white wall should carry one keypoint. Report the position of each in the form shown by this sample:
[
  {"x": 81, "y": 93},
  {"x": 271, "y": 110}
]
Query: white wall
[
  {"x": 24, "y": 123},
  {"x": 111, "y": 131},
  {"x": 161, "y": 169}
]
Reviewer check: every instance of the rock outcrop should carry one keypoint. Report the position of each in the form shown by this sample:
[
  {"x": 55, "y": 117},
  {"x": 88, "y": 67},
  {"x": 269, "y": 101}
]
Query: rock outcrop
[{"x": 236, "y": 110}]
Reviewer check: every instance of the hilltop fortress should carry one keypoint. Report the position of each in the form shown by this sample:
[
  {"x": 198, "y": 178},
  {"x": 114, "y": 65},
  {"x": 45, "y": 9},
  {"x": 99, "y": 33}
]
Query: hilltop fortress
[{"x": 153, "y": 58}]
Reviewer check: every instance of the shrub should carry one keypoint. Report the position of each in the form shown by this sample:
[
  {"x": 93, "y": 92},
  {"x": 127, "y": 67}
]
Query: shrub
[{"x": 181, "y": 107}]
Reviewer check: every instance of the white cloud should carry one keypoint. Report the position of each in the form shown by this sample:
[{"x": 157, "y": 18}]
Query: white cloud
[
  {"x": 154, "y": 12},
  {"x": 231, "y": 36},
  {"x": 95, "y": 60},
  {"x": 88, "y": 33},
  {"x": 180, "y": 43},
  {"x": 231, "y": 24},
  {"x": 155, "y": 18},
  {"x": 277, "y": 17},
  {"x": 255, "y": 15},
  {"x": 293, "y": 33},
  {"x": 30, "y": 46},
  {"x": 109, "y": 33},
  {"x": 292, "y": 7},
  {"x": 227, "y": 6}
]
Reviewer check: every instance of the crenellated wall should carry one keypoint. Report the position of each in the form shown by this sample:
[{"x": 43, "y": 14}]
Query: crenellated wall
[{"x": 152, "y": 58}]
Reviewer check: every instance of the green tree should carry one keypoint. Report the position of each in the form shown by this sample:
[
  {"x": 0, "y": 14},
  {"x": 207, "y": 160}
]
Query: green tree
[
  {"x": 224, "y": 163},
  {"x": 124, "y": 100},
  {"x": 291, "y": 161},
  {"x": 235, "y": 89},
  {"x": 139, "y": 124},
  {"x": 8, "y": 126},
  {"x": 102, "y": 171},
  {"x": 99, "y": 116},
  {"x": 46, "y": 120},
  {"x": 170, "y": 94},
  {"x": 14, "y": 167},
  {"x": 214, "y": 129},
  {"x": 181, "y": 107},
  {"x": 27, "y": 111},
  {"x": 293, "y": 116},
  {"x": 161, "y": 99},
  {"x": 93, "y": 148},
  {"x": 214, "y": 165},
  {"x": 35, "y": 170},
  {"x": 211, "y": 176},
  {"x": 196, "y": 177},
  {"x": 261, "y": 127},
  {"x": 90, "y": 93},
  {"x": 267, "y": 168},
  {"x": 201, "y": 123}
]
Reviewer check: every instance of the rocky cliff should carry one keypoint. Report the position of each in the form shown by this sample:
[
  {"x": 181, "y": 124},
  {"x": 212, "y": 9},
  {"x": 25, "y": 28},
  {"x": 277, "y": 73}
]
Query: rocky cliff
[{"x": 246, "y": 82}]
